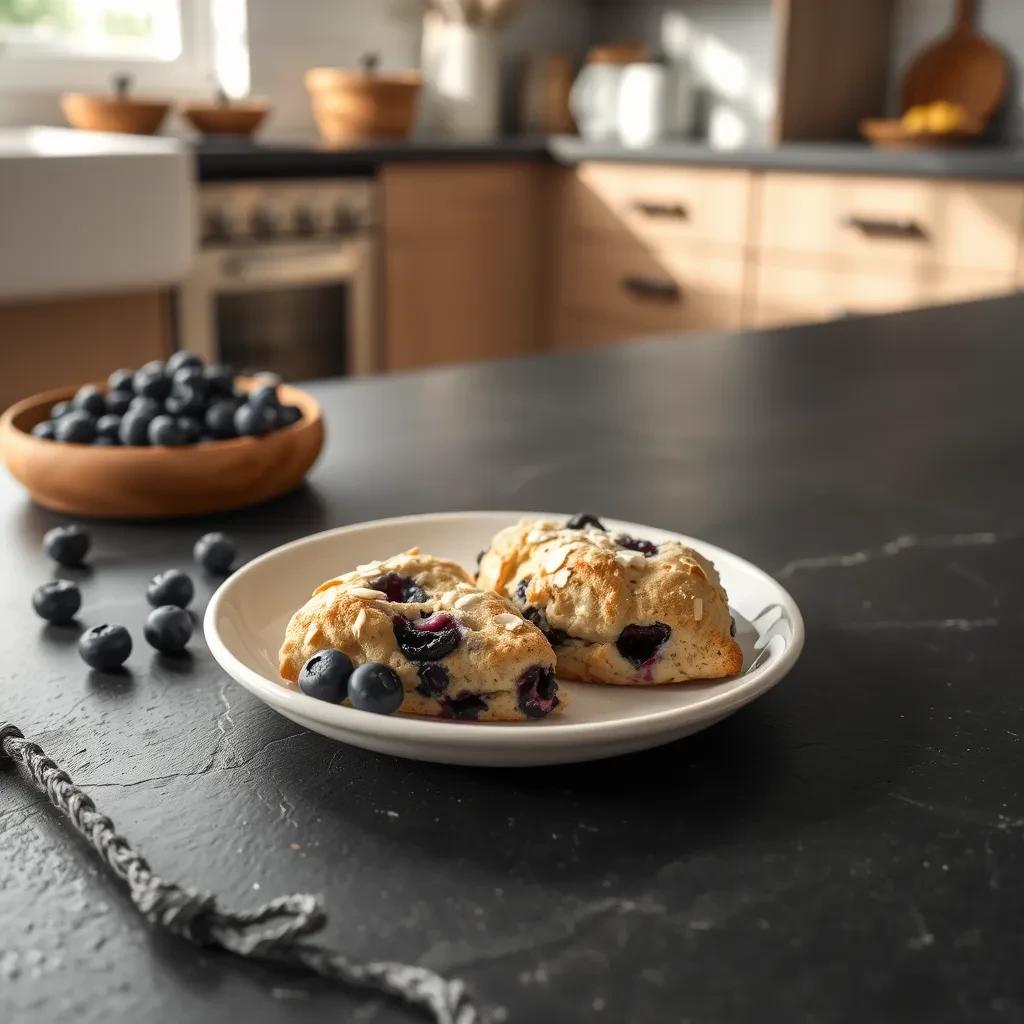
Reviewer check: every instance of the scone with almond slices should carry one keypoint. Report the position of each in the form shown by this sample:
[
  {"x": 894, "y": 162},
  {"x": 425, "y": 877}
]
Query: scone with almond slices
[
  {"x": 459, "y": 651},
  {"x": 616, "y": 609}
]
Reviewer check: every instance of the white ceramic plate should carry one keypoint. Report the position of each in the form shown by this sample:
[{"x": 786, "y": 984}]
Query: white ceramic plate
[{"x": 246, "y": 619}]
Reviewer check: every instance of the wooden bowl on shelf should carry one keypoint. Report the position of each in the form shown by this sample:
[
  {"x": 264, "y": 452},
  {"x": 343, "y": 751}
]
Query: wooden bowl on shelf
[
  {"x": 890, "y": 133},
  {"x": 113, "y": 113},
  {"x": 359, "y": 106},
  {"x": 239, "y": 117},
  {"x": 150, "y": 482}
]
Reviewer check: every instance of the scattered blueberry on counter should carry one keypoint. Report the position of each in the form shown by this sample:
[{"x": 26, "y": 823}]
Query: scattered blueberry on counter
[
  {"x": 179, "y": 402},
  {"x": 168, "y": 629},
  {"x": 171, "y": 587},
  {"x": 215, "y": 552},
  {"x": 375, "y": 687},
  {"x": 57, "y": 601},
  {"x": 67, "y": 545},
  {"x": 325, "y": 676},
  {"x": 105, "y": 647}
]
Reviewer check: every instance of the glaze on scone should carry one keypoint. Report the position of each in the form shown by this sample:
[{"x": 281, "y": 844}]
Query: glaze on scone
[
  {"x": 616, "y": 609},
  {"x": 476, "y": 659}
]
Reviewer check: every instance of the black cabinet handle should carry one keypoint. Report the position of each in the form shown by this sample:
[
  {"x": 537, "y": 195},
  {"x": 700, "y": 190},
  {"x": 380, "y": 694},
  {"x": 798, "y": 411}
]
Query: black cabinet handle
[
  {"x": 663, "y": 289},
  {"x": 674, "y": 211},
  {"x": 878, "y": 227}
]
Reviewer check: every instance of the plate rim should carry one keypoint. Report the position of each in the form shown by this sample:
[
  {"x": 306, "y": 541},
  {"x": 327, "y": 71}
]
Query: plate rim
[{"x": 424, "y": 730}]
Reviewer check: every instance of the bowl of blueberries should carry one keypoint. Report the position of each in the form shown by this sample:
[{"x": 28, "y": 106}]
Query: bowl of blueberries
[{"x": 174, "y": 438}]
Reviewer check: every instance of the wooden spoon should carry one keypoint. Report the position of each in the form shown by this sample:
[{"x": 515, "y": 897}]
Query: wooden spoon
[{"x": 962, "y": 67}]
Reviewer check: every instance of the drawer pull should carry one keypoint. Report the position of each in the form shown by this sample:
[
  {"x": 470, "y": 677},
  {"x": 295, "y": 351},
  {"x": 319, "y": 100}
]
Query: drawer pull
[
  {"x": 674, "y": 211},
  {"x": 876, "y": 227},
  {"x": 662, "y": 289}
]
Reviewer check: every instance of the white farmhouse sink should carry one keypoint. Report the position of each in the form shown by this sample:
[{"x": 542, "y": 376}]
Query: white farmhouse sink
[{"x": 85, "y": 212}]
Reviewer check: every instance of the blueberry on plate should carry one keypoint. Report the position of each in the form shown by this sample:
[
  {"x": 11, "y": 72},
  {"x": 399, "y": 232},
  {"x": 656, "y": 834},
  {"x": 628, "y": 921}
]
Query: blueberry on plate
[
  {"x": 288, "y": 414},
  {"x": 134, "y": 429},
  {"x": 584, "y": 521},
  {"x": 181, "y": 359},
  {"x": 57, "y": 601},
  {"x": 215, "y": 552},
  {"x": 152, "y": 383},
  {"x": 168, "y": 629},
  {"x": 88, "y": 399},
  {"x": 164, "y": 430},
  {"x": 105, "y": 647},
  {"x": 60, "y": 409},
  {"x": 325, "y": 676},
  {"x": 45, "y": 430},
  {"x": 109, "y": 426},
  {"x": 375, "y": 687},
  {"x": 121, "y": 380},
  {"x": 75, "y": 427},
  {"x": 220, "y": 419},
  {"x": 429, "y": 639},
  {"x": 255, "y": 420},
  {"x": 191, "y": 429},
  {"x": 170, "y": 587},
  {"x": 117, "y": 402},
  {"x": 66, "y": 545},
  {"x": 220, "y": 378}
]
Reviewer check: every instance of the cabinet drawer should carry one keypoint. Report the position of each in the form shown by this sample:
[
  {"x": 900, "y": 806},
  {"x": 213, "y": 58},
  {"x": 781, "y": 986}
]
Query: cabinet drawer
[
  {"x": 661, "y": 204},
  {"x": 788, "y": 293},
  {"x": 897, "y": 220},
  {"x": 646, "y": 291}
]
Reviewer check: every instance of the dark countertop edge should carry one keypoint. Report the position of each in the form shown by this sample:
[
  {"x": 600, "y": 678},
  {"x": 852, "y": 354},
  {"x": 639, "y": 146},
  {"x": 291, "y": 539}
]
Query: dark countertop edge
[{"x": 228, "y": 160}]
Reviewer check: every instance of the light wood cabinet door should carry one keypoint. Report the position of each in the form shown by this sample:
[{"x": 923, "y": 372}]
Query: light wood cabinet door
[
  {"x": 895, "y": 221},
  {"x": 461, "y": 254}
]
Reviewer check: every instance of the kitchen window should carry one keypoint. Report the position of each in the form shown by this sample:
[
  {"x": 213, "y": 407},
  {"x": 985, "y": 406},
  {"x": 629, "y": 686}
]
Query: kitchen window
[{"x": 187, "y": 45}]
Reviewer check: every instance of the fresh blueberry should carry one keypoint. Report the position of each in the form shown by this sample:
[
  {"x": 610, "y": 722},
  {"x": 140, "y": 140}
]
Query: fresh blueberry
[
  {"x": 168, "y": 629},
  {"x": 109, "y": 426},
  {"x": 583, "y": 521},
  {"x": 142, "y": 405},
  {"x": 134, "y": 429},
  {"x": 220, "y": 419},
  {"x": 121, "y": 380},
  {"x": 639, "y": 644},
  {"x": 170, "y": 587},
  {"x": 186, "y": 401},
  {"x": 57, "y": 601},
  {"x": 264, "y": 395},
  {"x": 215, "y": 552},
  {"x": 105, "y": 647},
  {"x": 555, "y": 637},
  {"x": 401, "y": 589},
  {"x": 191, "y": 429},
  {"x": 221, "y": 379},
  {"x": 60, "y": 409},
  {"x": 105, "y": 442},
  {"x": 521, "y": 587},
  {"x": 117, "y": 402},
  {"x": 75, "y": 427},
  {"x": 45, "y": 430},
  {"x": 190, "y": 376},
  {"x": 375, "y": 687},
  {"x": 644, "y": 547},
  {"x": 164, "y": 430},
  {"x": 88, "y": 399},
  {"x": 427, "y": 639},
  {"x": 66, "y": 545},
  {"x": 153, "y": 366},
  {"x": 537, "y": 692},
  {"x": 325, "y": 676},
  {"x": 181, "y": 359},
  {"x": 255, "y": 420},
  {"x": 465, "y": 707},
  {"x": 152, "y": 383},
  {"x": 288, "y": 414},
  {"x": 434, "y": 680}
]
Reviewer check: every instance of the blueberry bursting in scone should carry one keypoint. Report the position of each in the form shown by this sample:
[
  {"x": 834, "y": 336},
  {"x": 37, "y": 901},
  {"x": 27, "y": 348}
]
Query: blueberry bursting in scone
[
  {"x": 617, "y": 609},
  {"x": 460, "y": 652}
]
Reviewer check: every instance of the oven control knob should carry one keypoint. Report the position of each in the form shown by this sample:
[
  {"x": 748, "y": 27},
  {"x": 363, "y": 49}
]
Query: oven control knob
[
  {"x": 304, "y": 220},
  {"x": 262, "y": 221},
  {"x": 346, "y": 219},
  {"x": 216, "y": 225}
]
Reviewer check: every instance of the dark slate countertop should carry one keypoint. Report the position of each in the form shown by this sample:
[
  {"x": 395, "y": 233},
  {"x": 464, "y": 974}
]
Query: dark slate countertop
[
  {"x": 848, "y": 848},
  {"x": 225, "y": 159}
]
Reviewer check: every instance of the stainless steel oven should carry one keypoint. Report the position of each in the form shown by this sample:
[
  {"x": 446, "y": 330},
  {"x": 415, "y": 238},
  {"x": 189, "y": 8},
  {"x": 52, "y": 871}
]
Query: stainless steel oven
[{"x": 285, "y": 278}]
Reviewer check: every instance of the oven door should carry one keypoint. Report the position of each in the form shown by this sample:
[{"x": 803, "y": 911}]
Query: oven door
[{"x": 300, "y": 309}]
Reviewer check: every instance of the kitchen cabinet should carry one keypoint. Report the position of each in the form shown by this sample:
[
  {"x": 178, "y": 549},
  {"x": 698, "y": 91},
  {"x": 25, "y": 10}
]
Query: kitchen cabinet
[{"x": 462, "y": 252}]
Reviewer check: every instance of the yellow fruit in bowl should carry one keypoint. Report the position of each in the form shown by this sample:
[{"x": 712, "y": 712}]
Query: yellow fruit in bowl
[
  {"x": 936, "y": 118},
  {"x": 915, "y": 120}
]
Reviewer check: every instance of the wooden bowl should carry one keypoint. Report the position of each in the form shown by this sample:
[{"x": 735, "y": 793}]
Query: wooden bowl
[
  {"x": 113, "y": 114},
  {"x": 889, "y": 133},
  {"x": 151, "y": 483},
  {"x": 240, "y": 117},
  {"x": 353, "y": 106}
]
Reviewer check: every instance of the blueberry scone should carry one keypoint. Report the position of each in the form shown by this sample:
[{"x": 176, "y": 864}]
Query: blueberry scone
[
  {"x": 459, "y": 652},
  {"x": 616, "y": 609}
]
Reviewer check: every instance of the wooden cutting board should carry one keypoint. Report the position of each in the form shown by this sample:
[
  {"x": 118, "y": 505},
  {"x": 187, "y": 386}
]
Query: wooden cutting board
[{"x": 962, "y": 67}]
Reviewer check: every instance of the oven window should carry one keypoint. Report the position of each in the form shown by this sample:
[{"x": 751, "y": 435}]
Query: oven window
[{"x": 298, "y": 332}]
